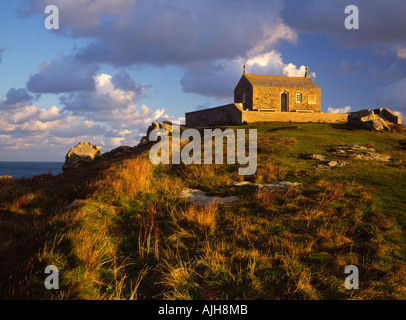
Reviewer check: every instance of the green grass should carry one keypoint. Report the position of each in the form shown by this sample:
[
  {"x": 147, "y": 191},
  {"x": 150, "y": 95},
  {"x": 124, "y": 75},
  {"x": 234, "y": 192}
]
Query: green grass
[{"x": 134, "y": 238}]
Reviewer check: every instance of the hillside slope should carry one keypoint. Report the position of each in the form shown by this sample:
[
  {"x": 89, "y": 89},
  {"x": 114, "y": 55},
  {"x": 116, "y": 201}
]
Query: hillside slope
[{"x": 133, "y": 237}]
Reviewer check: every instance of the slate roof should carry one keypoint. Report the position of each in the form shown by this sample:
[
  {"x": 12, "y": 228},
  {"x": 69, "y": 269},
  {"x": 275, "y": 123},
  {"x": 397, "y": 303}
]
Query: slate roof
[{"x": 281, "y": 81}]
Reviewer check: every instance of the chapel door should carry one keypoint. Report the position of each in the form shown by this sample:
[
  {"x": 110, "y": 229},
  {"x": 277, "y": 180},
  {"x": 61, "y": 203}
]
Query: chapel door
[{"x": 284, "y": 102}]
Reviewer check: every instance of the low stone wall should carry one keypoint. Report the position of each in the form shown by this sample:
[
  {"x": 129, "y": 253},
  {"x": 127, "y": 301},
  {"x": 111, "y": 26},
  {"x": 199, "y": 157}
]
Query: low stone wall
[
  {"x": 219, "y": 116},
  {"x": 257, "y": 116},
  {"x": 233, "y": 114}
]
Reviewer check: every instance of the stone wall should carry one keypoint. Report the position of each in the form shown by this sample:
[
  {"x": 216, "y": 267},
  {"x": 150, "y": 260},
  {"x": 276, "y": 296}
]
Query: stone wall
[
  {"x": 258, "y": 116},
  {"x": 224, "y": 115},
  {"x": 270, "y": 98},
  {"x": 244, "y": 86},
  {"x": 233, "y": 114}
]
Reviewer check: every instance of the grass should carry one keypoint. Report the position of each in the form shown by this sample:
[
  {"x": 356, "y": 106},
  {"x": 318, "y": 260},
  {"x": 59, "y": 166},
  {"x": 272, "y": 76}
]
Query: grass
[{"x": 133, "y": 238}]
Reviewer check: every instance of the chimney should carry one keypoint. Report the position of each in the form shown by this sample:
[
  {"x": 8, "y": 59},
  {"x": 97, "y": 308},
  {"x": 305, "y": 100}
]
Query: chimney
[
  {"x": 307, "y": 72},
  {"x": 245, "y": 69}
]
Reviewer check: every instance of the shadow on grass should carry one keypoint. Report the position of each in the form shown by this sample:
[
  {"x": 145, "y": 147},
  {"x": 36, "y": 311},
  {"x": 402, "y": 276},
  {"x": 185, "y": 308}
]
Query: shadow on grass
[
  {"x": 346, "y": 127},
  {"x": 283, "y": 128}
]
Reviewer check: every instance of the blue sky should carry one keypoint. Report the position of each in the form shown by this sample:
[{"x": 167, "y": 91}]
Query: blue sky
[{"x": 113, "y": 67}]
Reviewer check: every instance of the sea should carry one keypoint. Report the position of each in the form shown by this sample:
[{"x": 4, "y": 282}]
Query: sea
[{"x": 28, "y": 169}]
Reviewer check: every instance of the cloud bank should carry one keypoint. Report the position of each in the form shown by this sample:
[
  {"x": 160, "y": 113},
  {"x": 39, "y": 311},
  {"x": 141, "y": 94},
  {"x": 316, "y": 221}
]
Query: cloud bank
[
  {"x": 346, "y": 109},
  {"x": 108, "y": 116},
  {"x": 381, "y": 23},
  {"x": 177, "y": 32},
  {"x": 220, "y": 78},
  {"x": 63, "y": 74}
]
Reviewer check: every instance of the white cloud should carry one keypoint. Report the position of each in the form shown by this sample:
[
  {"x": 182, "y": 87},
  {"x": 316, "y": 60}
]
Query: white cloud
[
  {"x": 220, "y": 78},
  {"x": 339, "y": 110},
  {"x": 267, "y": 62},
  {"x": 401, "y": 53},
  {"x": 32, "y": 131},
  {"x": 108, "y": 116},
  {"x": 105, "y": 97},
  {"x": 31, "y": 119},
  {"x": 114, "y": 106}
]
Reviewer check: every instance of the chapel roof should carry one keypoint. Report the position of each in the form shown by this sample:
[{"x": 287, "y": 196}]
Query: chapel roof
[{"x": 281, "y": 81}]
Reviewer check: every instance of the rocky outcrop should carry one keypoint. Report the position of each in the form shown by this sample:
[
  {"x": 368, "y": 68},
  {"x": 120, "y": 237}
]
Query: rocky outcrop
[
  {"x": 372, "y": 156},
  {"x": 118, "y": 152},
  {"x": 199, "y": 197},
  {"x": 165, "y": 125},
  {"x": 354, "y": 147},
  {"x": 359, "y": 152},
  {"x": 83, "y": 152},
  {"x": 6, "y": 177},
  {"x": 326, "y": 163},
  {"x": 368, "y": 119}
]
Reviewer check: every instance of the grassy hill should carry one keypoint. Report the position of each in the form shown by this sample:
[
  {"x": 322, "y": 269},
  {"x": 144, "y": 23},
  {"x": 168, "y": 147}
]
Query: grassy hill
[{"x": 133, "y": 237}]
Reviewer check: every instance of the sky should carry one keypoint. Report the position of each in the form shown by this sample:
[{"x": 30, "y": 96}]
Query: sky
[{"x": 113, "y": 67}]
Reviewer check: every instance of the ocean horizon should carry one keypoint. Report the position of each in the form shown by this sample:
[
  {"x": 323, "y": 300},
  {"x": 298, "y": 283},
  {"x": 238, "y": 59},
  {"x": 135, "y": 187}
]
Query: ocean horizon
[{"x": 29, "y": 169}]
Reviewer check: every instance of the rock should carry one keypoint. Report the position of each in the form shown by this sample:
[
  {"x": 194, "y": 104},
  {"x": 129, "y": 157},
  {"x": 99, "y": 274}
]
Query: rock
[
  {"x": 199, "y": 197},
  {"x": 272, "y": 185},
  {"x": 82, "y": 153},
  {"x": 240, "y": 183},
  {"x": 165, "y": 125},
  {"x": 75, "y": 203},
  {"x": 355, "y": 147},
  {"x": 376, "y": 124},
  {"x": 337, "y": 164},
  {"x": 276, "y": 185},
  {"x": 361, "y": 116},
  {"x": 333, "y": 164},
  {"x": 6, "y": 177},
  {"x": 144, "y": 140},
  {"x": 152, "y": 127},
  {"x": 339, "y": 152},
  {"x": 317, "y": 157},
  {"x": 329, "y": 163},
  {"x": 367, "y": 119},
  {"x": 370, "y": 153},
  {"x": 117, "y": 152},
  {"x": 372, "y": 156},
  {"x": 344, "y": 149}
]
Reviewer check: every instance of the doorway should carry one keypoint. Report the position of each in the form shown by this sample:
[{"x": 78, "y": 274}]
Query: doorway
[{"x": 284, "y": 102}]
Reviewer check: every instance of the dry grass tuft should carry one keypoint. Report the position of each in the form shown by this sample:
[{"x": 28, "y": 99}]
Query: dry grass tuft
[{"x": 202, "y": 218}]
